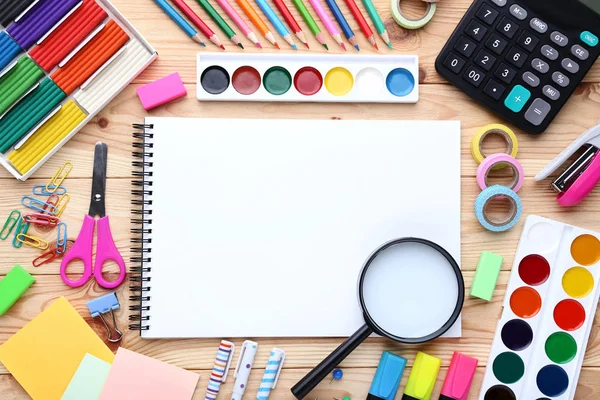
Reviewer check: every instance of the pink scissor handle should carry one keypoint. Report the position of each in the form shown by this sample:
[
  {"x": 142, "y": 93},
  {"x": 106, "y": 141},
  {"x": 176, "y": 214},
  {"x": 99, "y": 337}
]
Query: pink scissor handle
[
  {"x": 107, "y": 251},
  {"x": 81, "y": 250}
]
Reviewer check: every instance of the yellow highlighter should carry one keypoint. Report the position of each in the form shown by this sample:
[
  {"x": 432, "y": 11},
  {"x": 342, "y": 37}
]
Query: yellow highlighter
[{"x": 422, "y": 377}]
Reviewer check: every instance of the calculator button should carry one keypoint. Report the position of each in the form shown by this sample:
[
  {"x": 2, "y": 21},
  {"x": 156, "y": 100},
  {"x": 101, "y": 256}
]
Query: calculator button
[
  {"x": 474, "y": 76},
  {"x": 530, "y": 79},
  {"x": 485, "y": 60},
  {"x": 487, "y": 14},
  {"x": 505, "y": 73},
  {"x": 537, "y": 111},
  {"x": 499, "y": 3},
  {"x": 518, "y": 12},
  {"x": 551, "y": 93},
  {"x": 549, "y": 52},
  {"x": 494, "y": 89},
  {"x": 496, "y": 43},
  {"x": 528, "y": 41},
  {"x": 580, "y": 52},
  {"x": 516, "y": 57},
  {"x": 560, "y": 79},
  {"x": 570, "y": 65},
  {"x": 540, "y": 65},
  {"x": 507, "y": 27},
  {"x": 588, "y": 38},
  {"x": 454, "y": 63},
  {"x": 476, "y": 30},
  {"x": 538, "y": 25},
  {"x": 559, "y": 38},
  {"x": 465, "y": 47},
  {"x": 517, "y": 98}
]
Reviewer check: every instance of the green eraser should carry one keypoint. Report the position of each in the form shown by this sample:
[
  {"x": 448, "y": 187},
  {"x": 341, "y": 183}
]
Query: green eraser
[
  {"x": 14, "y": 284},
  {"x": 486, "y": 275}
]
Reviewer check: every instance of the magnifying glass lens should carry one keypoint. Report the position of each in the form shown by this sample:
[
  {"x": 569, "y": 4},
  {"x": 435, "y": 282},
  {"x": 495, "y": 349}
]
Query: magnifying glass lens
[{"x": 410, "y": 290}]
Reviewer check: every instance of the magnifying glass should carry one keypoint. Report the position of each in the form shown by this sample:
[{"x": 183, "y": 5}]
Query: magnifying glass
[{"x": 410, "y": 290}]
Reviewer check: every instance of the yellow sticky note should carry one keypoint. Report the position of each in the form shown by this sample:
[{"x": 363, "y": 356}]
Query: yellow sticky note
[{"x": 44, "y": 355}]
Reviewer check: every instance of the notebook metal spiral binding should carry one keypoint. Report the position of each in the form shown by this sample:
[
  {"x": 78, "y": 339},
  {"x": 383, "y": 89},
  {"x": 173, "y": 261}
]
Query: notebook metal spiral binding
[{"x": 140, "y": 277}]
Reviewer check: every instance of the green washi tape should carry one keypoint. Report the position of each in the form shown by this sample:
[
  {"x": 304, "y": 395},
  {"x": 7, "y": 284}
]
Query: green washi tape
[{"x": 408, "y": 23}]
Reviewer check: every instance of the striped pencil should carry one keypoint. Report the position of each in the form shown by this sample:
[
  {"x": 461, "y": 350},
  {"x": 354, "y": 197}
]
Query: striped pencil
[
  {"x": 379, "y": 25},
  {"x": 329, "y": 25},
  {"x": 235, "y": 17},
  {"x": 224, "y": 26},
  {"x": 310, "y": 21},
  {"x": 257, "y": 21},
  {"x": 291, "y": 21},
  {"x": 362, "y": 22},
  {"x": 277, "y": 23},
  {"x": 337, "y": 13},
  {"x": 205, "y": 29},
  {"x": 178, "y": 19}
]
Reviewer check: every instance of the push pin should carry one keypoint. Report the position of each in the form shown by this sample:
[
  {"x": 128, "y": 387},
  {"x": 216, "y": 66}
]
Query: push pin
[
  {"x": 103, "y": 305},
  {"x": 337, "y": 375}
]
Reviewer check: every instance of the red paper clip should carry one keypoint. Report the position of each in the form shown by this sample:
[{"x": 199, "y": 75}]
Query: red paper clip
[
  {"x": 41, "y": 219},
  {"x": 53, "y": 200},
  {"x": 50, "y": 255}
]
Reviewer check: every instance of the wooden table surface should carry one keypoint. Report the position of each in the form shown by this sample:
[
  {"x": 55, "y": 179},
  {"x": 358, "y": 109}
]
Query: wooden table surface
[{"x": 438, "y": 100}]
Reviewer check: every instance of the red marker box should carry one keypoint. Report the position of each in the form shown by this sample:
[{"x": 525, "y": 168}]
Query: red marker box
[{"x": 460, "y": 376}]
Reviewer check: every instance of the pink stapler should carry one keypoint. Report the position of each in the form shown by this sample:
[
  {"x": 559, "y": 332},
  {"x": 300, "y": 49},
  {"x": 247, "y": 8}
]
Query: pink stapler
[{"x": 578, "y": 179}]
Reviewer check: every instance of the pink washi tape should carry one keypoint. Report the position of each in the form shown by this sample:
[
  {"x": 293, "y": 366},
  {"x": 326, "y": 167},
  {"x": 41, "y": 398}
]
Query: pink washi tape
[{"x": 504, "y": 159}]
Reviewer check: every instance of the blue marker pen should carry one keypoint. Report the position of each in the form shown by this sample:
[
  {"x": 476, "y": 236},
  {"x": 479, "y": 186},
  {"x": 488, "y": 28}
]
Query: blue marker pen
[{"x": 387, "y": 377}]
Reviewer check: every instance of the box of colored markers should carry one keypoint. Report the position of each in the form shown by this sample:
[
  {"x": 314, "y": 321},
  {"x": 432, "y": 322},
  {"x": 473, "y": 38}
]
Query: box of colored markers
[{"x": 61, "y": 63}]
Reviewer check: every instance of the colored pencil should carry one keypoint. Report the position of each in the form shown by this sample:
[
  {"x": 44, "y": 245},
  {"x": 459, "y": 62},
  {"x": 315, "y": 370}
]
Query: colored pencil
[
  {"x": 337, "y": 13},
  {"x": 235, "y": 17},
  {"x": 220, "y": 22},
  {"x": 362, "y": 22},
  {"x": 257, "y": 21},
  {"x": 379, "y": 26},
  {"x": 205, "y": 29},
  {"x": 178, "y": 19},
  {"x": 329, "y": 25},
  {"x": 291, "y": 21},
  {"x": 277, "y": 23},
  {"x": 310, "y": 21}
]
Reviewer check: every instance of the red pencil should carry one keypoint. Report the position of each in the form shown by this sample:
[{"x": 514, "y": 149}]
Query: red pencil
[
  {"x": 205, "y": 29},
  {"x": 289, "y": 18},
  {"x": 362, "y": 22}
]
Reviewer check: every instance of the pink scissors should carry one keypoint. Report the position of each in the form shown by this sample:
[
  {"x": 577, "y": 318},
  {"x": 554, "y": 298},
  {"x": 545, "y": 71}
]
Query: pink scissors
[{"x": 105, "y": 246}]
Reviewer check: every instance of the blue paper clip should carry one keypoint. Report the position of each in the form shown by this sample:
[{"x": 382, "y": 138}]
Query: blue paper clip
[
  {"x": 38, "y": 205},
  {"x": 41, "y": 190},
  {"x": 61, "y": 238},
  {"x": 22, "y": 227},
  {"x": 103, "y": 305}
]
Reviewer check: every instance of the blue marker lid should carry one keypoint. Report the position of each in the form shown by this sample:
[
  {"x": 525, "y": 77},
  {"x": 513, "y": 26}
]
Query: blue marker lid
[{"x": 387, "y": 377}]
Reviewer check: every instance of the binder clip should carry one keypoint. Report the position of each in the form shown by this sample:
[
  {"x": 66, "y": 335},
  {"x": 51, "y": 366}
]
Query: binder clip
[
  {"x": 578, "y": 179},
  {"x": 103, "y": 305}
]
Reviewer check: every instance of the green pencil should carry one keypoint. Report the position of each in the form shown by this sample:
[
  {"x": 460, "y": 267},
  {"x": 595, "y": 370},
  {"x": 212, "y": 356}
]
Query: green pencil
[
  {"x": 220, "y": 22},
  {"x": 310, "y": 21},
  {"x": 377, "y": 22}
]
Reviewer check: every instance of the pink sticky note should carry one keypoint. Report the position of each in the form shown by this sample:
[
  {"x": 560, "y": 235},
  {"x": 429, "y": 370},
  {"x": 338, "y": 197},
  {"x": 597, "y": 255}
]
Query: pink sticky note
[
  {"x": 161, "y": 91},
  {"x": 137, "y": 377}
]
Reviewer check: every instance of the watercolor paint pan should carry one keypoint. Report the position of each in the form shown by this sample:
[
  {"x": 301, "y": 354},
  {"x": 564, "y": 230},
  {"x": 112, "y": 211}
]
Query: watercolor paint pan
[
  {"x": 548, "y": 313},
  {"x": 313, "y": 78}
]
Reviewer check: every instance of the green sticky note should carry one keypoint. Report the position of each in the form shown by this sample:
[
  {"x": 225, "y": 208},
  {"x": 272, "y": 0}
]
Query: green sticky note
[
  {"x": 14, "y": 284},
  {"x": 486, "y": 275},
  {"x": 88, "y": 381}
]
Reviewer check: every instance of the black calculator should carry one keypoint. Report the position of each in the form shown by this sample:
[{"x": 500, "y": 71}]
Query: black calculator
[{"x": 522, "y": 59}]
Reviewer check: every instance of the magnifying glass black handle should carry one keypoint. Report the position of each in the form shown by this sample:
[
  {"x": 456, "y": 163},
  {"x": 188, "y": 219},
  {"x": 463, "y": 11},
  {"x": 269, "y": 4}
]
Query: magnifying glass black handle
[{"x": 314, "y": 377}]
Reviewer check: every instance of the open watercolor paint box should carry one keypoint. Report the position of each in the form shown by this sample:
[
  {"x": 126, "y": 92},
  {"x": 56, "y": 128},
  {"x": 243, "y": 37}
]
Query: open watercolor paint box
[
  {"x": 315, "y": 78},
  {"x": 61, "y": 62},
  {"x": 548, "y": 314}
]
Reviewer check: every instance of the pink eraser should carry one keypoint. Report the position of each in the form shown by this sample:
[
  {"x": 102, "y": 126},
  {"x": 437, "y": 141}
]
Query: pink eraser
[{"x": 161, "y": 91}]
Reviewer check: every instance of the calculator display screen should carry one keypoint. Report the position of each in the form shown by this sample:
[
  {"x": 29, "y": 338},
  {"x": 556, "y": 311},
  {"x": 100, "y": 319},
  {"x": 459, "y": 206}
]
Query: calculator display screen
[{"x": 593, "y": 4}]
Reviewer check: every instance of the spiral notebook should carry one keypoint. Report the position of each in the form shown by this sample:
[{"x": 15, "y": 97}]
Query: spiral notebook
[{"x": 259, "y": 228}]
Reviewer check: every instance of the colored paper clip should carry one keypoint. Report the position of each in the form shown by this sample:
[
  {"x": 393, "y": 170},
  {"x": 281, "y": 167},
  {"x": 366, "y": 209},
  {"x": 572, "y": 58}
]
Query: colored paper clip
[
  {"x": 22, "y": 227},
  {"x": 61, "y": 238},
  {"x": 32, "y": 241},
  {"x": 387, "y": 377},
  {"x": 53, "y": 200},
  {"x": 40, "y": 190},
  {"x": 103, "y": 305},
  {"x": 62, "y": 204},
  {"x": 59, "y": 177},
  {"x": 220, "y": 369},
  {"x": 9, "y": 225},
  {"x": 41, "y": 219},
  {"x": 50, "y": 255},
  {"x": 38, "y": 205}
]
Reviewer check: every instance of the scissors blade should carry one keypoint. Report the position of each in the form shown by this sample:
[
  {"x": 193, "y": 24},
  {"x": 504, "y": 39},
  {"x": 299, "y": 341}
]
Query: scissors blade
[{"x": 97, "y": 205}]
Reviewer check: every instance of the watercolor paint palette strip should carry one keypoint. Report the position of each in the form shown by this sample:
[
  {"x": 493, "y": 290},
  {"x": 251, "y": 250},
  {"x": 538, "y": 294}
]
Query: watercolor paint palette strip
[
  {"x": 549, "y": 310},
  {"x": 8, "y": 50},
  {"x": 314, "y": 78}
]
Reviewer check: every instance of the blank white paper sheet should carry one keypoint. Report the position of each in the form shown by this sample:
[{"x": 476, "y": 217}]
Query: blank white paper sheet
[{"x": 260, "y": 227}]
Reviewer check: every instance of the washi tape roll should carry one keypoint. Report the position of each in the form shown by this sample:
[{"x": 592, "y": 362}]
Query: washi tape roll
[
  {"x": 409, "y": 23},
  {"x": 493, "y": 193},
  {"x": 492, "y": 162},
  {"x": 512, "y": 145}
]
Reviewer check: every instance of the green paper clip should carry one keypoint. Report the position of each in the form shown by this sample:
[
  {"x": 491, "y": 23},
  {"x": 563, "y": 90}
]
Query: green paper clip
[
  {"x": 22, "y": 227},
  {"x": 9, "y": 225}
]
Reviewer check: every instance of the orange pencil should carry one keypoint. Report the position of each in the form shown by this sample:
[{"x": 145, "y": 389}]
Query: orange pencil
[{"x": 257, "y": 21}]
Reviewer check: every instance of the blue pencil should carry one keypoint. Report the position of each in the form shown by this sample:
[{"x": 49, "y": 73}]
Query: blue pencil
[
  {"x": 178, "y": 19},
  {"x": 277, "y": 23},
  {"x": 337, "y": 13}
]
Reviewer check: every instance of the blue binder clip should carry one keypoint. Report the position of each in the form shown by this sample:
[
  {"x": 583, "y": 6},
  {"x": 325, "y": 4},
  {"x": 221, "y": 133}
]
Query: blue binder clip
[
  {"x": 103, "y": 305},
  {"x": 387, "y": 377}
]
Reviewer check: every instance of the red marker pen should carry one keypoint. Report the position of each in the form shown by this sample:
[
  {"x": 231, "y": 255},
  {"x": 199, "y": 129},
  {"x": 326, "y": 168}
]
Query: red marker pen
[{"x": 460, "y": 376}]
